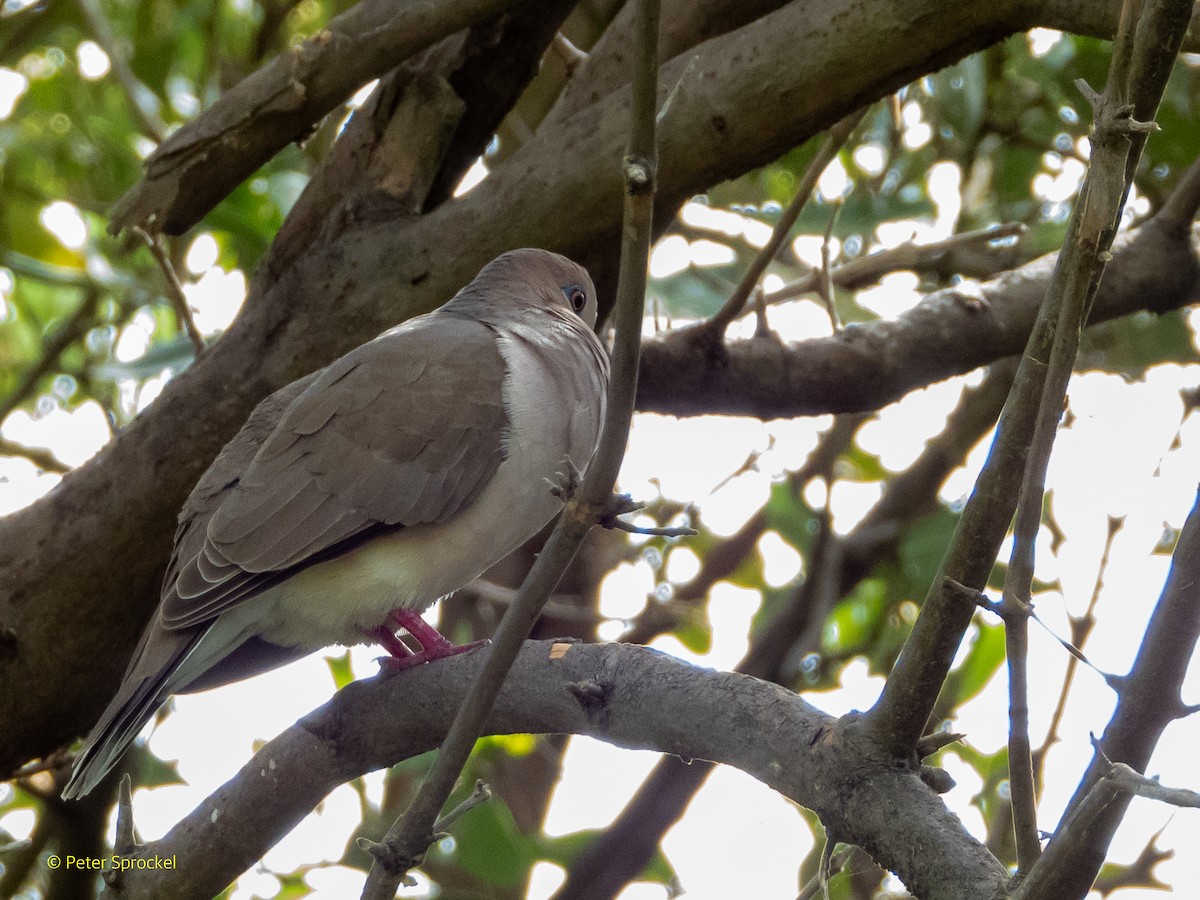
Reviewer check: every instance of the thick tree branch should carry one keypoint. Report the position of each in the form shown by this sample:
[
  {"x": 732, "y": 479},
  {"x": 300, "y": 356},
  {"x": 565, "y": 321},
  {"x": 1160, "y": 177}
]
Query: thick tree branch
[
  {"x": 281, "y": 103},
  {"x": 950, "y": 332},
  {"x": 626, "y": 695}
]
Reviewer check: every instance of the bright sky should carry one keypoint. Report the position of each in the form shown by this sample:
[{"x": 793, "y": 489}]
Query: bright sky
[{"x": 741, "y": 839}]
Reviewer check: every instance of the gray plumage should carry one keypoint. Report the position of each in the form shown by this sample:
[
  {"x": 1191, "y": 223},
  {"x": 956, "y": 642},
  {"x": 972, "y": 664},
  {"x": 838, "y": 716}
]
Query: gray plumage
[{"x": 387, "y": 480}]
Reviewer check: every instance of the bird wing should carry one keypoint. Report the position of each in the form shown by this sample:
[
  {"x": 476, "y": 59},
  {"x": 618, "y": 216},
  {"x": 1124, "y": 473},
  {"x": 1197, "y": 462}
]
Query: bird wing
[{"x": 404, "y": 430}]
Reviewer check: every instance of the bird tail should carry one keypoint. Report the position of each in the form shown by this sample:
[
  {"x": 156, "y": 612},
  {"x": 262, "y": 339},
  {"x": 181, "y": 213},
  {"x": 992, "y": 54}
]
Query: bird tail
[{"x": 150, "y": 679}]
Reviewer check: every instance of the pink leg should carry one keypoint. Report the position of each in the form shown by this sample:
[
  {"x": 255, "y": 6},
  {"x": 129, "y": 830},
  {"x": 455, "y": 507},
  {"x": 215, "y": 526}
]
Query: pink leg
[
  {"x": 433, "y": 644},
  {"x": 387, "y": 639}
]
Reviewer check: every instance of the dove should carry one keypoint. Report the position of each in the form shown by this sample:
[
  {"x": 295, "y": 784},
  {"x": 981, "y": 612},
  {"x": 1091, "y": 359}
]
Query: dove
[{"x": 356, "y": 497}]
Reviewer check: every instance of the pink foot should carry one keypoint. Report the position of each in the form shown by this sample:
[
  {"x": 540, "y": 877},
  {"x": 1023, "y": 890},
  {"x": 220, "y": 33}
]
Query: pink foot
[{"x": 433, "y": 644}]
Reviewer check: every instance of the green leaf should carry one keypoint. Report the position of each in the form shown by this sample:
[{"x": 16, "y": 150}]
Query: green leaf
[
  {"x": 983, "y": 661},
  {"x": 924, "y": 546},
  {"x": 1135, "y": 343},
  {"x": 857, "y": 618},
  {"x": 340, "y": 669},
  {"x": 695, "y": 631}
]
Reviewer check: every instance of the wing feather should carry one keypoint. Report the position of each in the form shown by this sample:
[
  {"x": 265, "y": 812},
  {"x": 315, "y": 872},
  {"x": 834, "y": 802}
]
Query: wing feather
[{"x": 396, "y": 433}]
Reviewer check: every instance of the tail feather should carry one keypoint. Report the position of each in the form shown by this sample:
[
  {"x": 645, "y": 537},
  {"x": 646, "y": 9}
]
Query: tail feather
[{"x": 144, "y": 689}]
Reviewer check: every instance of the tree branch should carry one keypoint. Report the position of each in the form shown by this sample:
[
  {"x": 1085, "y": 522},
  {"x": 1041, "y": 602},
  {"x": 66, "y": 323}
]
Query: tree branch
[
  {"x": 951, "y": 332},
  {"x": 626, "y": 695},
  {"x": 281, "y": 103},
  {"x": 835, "y": 567},
  {"x": 1149, "y": 700},
  {"x": 864, "y": 270}
]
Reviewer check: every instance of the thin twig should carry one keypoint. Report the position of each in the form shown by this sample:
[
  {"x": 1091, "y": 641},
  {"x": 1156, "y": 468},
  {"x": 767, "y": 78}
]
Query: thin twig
[
  {"x": 135, "y": 92},
  {"x": 406, "y": 841},
  {"x": 1119, "y": 779},
  {"x": 826, "y": 291},
  {"x": 1081, "y": 629},
  {"x": 43, "y": 459},
  {"x": 732, "y": 307},
  {"x": 178, "y": 298},
  {"x": 865, "y": 270},
  {"x": 52, "y": 349}
]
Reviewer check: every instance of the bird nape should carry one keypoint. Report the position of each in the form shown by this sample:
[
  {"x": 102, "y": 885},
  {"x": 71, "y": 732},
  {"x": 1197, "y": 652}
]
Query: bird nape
[{"x": 355, "y": 497}]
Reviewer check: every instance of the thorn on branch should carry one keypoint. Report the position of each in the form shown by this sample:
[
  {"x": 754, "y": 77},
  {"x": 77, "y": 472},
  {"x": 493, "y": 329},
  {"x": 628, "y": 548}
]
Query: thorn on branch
[
  {"x": 931, "y": 743},
  {"x": 481, "y": 794},
  {"x": 620, "y": 504},
  {"x": 1115, "y": 118},
  {"x": 957, "y": 591}
]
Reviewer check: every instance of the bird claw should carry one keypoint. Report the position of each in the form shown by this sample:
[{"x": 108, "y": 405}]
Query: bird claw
[
  {"x": 393, "y": 664},
  {"x": 567, "y": 482},
  {"x": 433, "y": 644}
]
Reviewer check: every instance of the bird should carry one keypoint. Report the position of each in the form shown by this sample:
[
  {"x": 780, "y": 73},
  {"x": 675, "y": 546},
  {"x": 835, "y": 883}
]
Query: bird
[{"x": 357, "y": 496}]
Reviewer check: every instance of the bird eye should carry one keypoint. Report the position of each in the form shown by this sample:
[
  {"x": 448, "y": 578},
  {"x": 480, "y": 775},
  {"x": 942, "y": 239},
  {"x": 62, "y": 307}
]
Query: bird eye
[{"x": 577, "y": 297}]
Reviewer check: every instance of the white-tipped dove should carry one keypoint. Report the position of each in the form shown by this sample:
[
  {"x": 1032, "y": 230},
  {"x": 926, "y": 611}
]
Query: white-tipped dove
[{"x": 354, "y": 498}]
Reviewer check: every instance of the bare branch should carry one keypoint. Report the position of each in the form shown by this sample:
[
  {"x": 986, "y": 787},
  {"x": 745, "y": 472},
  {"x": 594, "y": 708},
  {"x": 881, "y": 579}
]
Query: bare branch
[
  {"x": 864, "y": 270},
  {"x": 636, "y": 698},
  {"x": 951, "y": 332},
  {"x": 835, "y": 567},
  {"x": 139, "y": 97},
  {"x": 43, "y": 459},
  {"x": 714, "y": 328},
  {"x": 1149, "y": 700},
  {"x": 281, "y": 103},
  {"x": 53, "y": 347},
  {"x": 179, "y": 301}
]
